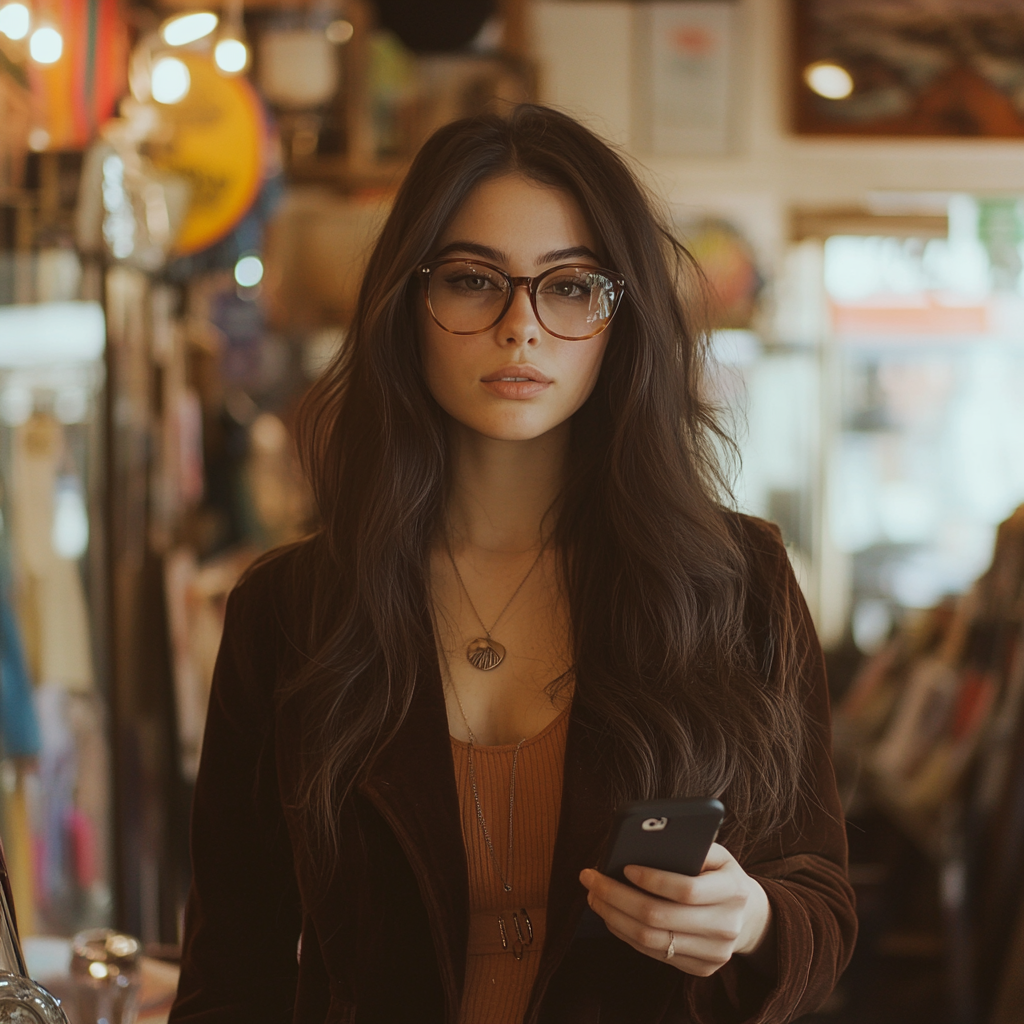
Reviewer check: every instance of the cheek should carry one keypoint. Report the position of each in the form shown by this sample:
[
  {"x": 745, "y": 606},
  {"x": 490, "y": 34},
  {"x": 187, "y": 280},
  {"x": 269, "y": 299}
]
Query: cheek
[
  {"x": 586, "y": 366},
  {"x": 439, "y": 359}
]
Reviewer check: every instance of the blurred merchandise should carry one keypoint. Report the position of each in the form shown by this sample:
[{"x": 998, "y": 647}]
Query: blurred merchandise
[
  {"x": 153, "y": 981},
  {"x": 937, "y": 721},
  {"x": 15, "y": 122},
  {"x": 196, "y": 598},
  {"x": 22, "y": 1000},
  {"x": 56, "y": 814},
  {"x": 105, "y": 974}
]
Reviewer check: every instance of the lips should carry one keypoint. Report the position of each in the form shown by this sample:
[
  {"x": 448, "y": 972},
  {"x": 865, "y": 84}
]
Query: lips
[
  {"x": 516, "y": 382},
  {"x": 517, "y": 374}
]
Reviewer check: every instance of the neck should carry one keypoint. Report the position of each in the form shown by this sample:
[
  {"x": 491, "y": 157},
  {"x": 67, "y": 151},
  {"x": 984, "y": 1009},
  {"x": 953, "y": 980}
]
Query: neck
[{"x": 502, "y": 490}]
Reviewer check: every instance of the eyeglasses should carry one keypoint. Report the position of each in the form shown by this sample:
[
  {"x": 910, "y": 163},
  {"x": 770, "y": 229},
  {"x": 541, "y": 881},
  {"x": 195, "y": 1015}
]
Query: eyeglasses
[{"x": 572, "y": 302}]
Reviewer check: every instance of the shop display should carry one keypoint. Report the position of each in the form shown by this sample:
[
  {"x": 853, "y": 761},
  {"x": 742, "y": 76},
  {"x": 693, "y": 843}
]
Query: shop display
[
  {"x": 22, "y": 999},
  {"x": 937, "y": 719},
  {"x": 57, "y": 802},
  {"x": 182, "y": 240}
]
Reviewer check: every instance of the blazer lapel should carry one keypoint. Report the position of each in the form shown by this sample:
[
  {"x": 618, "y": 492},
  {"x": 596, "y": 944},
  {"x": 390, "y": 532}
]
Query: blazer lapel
[
  {"x": 412, "y": 785},
  {"x": 582, "y": 829}
]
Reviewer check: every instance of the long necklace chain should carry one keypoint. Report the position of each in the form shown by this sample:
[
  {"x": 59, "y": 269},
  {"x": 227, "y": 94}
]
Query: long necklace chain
[
  {"x": 505, "y": 875},
  {"x": 487, "y": 654}
]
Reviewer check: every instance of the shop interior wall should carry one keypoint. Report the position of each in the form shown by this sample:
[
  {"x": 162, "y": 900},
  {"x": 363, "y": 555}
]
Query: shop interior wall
[{"x": 587, "y": 66}]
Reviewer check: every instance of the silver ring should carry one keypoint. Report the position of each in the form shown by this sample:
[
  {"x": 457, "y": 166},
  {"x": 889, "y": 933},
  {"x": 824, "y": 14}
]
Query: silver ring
[{"x": 671, "y": 951}]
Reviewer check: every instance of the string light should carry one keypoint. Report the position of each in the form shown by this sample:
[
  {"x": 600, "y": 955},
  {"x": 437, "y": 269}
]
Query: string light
[
  {"x": 188, "y": 28},
  {"x": 249, "y": 271},
  {"x": 46, "y": 45},
  {"x": 14, "y": 21},
  {"x": 170, "y": 81},
  {"x": 231, "y": 55}
]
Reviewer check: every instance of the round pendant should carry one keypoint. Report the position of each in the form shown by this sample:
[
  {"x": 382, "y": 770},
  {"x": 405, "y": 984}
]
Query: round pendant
[{"x": 485, "y": 654}]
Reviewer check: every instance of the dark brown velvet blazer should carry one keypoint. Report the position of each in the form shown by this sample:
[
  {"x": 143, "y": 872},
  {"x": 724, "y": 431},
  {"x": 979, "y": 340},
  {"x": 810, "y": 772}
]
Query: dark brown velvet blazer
[{"x": 383, "y": 939}]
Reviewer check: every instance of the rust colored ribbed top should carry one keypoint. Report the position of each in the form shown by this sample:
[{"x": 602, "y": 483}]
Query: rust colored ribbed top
[{"x": 497, "y": 983}]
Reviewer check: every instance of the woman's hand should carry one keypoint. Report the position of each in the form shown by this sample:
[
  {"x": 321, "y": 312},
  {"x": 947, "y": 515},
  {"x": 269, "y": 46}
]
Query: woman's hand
[{"x": 702, "y": 920}]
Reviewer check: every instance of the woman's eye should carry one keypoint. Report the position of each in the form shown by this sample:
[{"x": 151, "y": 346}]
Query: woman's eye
[
  {"x": 471, "y": 282},
  {"x": 568, "y": 288}
]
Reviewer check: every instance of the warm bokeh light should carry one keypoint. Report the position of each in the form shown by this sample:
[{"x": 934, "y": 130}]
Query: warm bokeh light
[
  {"x": 171, "y": 80},
  {"x": 829, "y": 80},
  {"x": 14, "y": 21},
  {"x": 187, "y": 28},
  {"x": 249, "y": 271},
  {"x": 46, "y": 45},
  {"x": 231, "y": 56},
  {"x": 340, "y": 31},
  {"x": 38, "y": 140}
]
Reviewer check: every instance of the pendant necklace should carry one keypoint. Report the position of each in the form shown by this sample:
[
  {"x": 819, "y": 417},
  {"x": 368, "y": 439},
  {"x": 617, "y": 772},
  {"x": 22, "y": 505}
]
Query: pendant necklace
[{"x": 484, "y": 652}]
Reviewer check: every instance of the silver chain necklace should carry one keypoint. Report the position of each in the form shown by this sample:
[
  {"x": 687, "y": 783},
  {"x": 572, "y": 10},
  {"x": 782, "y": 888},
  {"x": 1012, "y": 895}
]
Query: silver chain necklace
[
  {"x": 505, "y": 875},
  {"x": 484, "y": 652}
]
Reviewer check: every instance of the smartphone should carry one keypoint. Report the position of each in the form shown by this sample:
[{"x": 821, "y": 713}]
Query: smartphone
[{"x": 671, "y": 835}]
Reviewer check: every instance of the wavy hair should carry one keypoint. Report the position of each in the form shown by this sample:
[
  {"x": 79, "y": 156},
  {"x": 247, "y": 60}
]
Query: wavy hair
[{"x": 682, "y": 697}]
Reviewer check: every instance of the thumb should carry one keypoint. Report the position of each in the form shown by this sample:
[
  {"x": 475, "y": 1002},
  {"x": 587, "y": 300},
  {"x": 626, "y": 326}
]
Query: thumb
[{"x": 718, "y": 857}]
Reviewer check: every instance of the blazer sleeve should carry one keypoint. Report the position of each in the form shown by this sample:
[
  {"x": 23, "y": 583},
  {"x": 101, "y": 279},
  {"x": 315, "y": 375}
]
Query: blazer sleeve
[
  {"x": 803, "y": 869},
  {"x": 243, "y": 916}
]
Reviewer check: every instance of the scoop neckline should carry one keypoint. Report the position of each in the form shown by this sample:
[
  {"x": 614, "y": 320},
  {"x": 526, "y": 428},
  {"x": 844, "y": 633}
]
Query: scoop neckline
[{"x": 503, "y": 747}]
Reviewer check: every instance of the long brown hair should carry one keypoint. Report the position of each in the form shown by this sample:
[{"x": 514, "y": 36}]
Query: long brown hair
[{"x": 682, "y": 697}]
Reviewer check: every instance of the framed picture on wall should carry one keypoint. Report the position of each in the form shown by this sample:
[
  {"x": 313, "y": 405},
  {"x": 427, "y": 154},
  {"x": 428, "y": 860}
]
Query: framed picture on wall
[
  {"x": 947, "y": 68},
  {"x": 685, "y": 55}
]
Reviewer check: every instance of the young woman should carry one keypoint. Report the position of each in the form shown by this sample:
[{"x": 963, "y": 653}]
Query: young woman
[{"x": 525, "y": 606}]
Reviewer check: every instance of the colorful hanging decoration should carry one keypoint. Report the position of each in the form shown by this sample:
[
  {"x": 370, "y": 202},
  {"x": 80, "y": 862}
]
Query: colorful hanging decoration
[
  {"x": 78, "y": 92},
  {"x": 219, "y": 145}
]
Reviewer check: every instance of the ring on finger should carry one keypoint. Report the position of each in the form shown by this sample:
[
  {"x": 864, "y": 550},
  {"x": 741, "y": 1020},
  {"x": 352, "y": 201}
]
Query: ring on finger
[{"x": 671, "y": 951}]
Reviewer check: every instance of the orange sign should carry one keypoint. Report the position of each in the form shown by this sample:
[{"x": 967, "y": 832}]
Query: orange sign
[{"x": 219, "y": 145}]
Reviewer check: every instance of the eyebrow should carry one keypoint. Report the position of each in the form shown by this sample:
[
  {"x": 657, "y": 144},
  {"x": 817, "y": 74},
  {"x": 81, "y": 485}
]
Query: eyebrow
[{"x": 486, "y": 252}]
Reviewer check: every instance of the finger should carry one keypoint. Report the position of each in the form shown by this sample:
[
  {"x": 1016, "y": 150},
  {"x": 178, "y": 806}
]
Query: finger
[
  {"x": 645, "y": 938},
  {"x": 717, "y": 923},
  {"x": 718, "y": 857},
  {"x": 700, "y": 955},
  {"x": 642, "y": 906},
  {"x": 714, "y": 886}
]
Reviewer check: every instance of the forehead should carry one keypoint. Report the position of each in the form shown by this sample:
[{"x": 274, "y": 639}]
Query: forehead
[{"x": 520, "y": 217}]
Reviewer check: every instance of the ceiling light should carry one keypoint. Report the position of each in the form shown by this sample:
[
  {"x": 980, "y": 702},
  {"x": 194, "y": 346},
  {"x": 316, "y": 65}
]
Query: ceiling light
[
  {"x": 188, "y": 28},
  {"x": 171, "y": 80},
  {"x": 14, "y": 21},
  {"x": 46, "y": 45},
  {"x": 231, "y": 55},
  {"x": 249, "y": 271},
  {"x": 340, "y": 31},
  {"x": 829, "y": 80}
]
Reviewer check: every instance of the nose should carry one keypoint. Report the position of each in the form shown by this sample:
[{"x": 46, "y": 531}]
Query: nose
[{"x": 520, "y": 325}]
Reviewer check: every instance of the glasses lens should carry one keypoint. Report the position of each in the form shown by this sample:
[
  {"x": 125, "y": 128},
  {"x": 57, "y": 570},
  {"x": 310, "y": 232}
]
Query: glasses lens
[
  {"x": 466, "y": 297},
  {"x": 576, "y": 302}
]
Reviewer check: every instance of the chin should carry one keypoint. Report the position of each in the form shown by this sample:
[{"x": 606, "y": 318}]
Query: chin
[{"x": 510, "y": 428}]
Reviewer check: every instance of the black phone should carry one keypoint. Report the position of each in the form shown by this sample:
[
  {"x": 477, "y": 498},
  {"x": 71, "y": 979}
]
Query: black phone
[{"x": 671, "y": 835}]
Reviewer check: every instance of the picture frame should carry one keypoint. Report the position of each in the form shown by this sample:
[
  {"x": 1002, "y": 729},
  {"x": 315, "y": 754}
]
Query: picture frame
[
  {"x": 686, "y": 55},
  {"x": 924, "y": 68}
]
